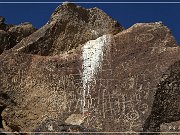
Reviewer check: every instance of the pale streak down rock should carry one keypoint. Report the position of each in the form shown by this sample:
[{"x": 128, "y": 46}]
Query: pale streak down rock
[{"x": 46, "y": 83}]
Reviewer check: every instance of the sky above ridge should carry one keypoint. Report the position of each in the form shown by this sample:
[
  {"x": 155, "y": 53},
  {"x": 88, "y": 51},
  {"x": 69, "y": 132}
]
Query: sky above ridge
[{"x": 125, "y": 14}]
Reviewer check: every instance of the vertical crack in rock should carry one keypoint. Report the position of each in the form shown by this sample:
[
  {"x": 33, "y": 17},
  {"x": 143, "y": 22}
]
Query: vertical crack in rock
[{"x": 92, "y": 58}]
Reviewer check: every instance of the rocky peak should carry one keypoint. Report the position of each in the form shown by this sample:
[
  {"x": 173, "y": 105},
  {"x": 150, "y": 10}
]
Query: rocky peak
[
  {"x": 68, "y": 10},
  {"x": 93, "y": 17},
  {"x": 69, "y": 27},
  {"x": 10, "y": 34}
]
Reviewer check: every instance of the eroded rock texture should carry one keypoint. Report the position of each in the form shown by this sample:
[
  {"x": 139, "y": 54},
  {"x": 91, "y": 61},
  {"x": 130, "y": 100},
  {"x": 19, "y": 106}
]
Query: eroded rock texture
[
  {"x": 166, "y": 108},
  {"x": 82, "y": 72},
  {"x": 68, "y": 27},
  {"x": 10, "y": 35}
]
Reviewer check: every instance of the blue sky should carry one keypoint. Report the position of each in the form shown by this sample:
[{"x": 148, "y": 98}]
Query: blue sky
[{"x": 125, "y": 14}]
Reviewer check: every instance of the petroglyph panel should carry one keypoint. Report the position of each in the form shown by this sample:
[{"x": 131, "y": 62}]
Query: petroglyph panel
[
  {"x": 109, "y": 98},
  {"x": 108, "y": 83}
]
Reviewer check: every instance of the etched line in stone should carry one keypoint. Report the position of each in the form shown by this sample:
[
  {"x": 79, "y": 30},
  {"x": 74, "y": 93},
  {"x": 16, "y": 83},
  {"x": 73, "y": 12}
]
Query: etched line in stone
[
  {"x": 145, "y": 37},
  {"x": 103, "y": 106}
]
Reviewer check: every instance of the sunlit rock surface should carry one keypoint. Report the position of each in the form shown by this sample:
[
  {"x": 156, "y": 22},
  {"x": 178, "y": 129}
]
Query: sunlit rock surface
[
  {"x": 83, "y": 72},
  {"x": 68, "y": 27}
]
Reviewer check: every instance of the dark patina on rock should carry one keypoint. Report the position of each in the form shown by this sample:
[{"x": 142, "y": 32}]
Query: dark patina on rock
[
  {"x": 69, "y": 26},
  {"x": 10, "y": 34},
  {"x": 83, "y": 72}
]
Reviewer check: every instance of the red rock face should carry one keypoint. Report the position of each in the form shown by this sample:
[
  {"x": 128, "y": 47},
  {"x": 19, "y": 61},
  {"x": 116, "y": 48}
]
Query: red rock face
[{"x": 115, "y": 83}]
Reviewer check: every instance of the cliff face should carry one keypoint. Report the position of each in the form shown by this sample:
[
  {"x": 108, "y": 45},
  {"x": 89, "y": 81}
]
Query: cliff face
[{"x": 83, "y": 71}]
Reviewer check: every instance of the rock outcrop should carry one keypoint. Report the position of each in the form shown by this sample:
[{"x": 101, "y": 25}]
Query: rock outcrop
[
  {"x": 83, "y": 72},
  {"x": 69, "y": 26},
  {"x": 10, "y": 35}
]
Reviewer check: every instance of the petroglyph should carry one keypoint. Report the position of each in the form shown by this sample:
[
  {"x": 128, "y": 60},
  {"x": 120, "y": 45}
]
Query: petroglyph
[
  {"x": 62, "y": 75},
  {"x": 104, "y": 104},
  {"x": 145, "y": 37}
]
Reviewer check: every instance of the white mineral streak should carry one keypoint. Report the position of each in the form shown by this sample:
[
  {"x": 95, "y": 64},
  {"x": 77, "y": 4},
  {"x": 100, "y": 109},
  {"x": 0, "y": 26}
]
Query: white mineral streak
[{"x": 92, "y": 60}]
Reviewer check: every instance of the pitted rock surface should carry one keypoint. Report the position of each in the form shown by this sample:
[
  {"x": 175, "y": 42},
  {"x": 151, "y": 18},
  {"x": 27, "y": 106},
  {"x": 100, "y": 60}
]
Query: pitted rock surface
[{"x": 113, "y": 81}]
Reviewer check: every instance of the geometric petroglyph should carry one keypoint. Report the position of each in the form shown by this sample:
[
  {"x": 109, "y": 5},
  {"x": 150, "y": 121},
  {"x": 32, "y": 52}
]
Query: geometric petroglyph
[
  {"x": 103, "y": 104},
  {"x": 145, "y": 37}
]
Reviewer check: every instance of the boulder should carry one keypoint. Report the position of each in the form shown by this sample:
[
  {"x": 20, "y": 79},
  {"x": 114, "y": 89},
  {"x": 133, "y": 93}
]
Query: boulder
[{"x": 61, "y": 79}]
